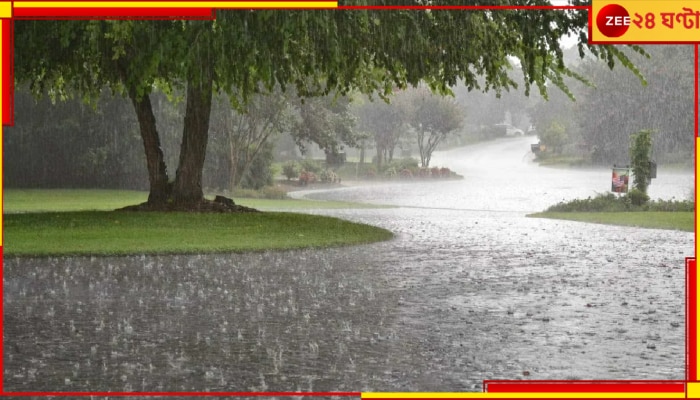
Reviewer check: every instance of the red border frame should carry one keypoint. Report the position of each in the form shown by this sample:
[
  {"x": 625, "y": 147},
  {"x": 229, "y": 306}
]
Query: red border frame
[{"x": 490, "y": 386}]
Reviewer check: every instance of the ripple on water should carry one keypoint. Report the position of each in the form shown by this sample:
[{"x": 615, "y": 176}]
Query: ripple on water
[{"x": 469, "y": 289}]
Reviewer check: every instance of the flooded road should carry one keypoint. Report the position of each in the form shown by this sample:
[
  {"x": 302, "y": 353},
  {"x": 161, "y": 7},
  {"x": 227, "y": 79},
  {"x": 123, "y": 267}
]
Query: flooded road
[
  {"x": 470, "y": 289},
  {"x": 501, "y": 176}
]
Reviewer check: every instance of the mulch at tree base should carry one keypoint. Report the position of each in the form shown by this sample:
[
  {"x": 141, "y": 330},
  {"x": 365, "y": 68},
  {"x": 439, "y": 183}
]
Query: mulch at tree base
[{"x": 219, "y": 205}]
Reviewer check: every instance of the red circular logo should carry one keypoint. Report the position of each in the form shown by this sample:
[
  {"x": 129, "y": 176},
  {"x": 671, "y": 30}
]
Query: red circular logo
[{"x": 613, "y": 20}]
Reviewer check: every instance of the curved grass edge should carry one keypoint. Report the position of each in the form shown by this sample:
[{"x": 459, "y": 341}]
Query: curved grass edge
[
  {"x": 678, "y": 220},
  {"x": 113, "y": 233},
  {"x": 48, "y": 200}
]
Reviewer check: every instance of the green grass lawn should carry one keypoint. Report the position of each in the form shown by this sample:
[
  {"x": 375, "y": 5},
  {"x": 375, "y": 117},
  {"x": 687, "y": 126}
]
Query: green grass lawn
[
  {"x": 35, "y": 200},
  {"x": 683, "y": 221},
  {"x": 118, "y": 233},
  {"x": 80, "y": 222}
]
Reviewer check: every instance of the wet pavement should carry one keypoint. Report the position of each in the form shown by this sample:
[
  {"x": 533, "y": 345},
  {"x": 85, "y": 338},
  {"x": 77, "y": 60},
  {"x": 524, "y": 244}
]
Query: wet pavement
[{"x": 470, "y": 289}]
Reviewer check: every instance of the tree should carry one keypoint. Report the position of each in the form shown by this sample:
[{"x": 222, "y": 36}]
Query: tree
[
  {"x": 617, "y": 104},
  {"x": 431, "y": 117},
  {"x": 246, "y": 132},
  {"x": 318, "y": 52},
  {"x": 86, "y": 56},
  {"x": 326, "y": 121},
  {"x": 553, "y": 136},
  {"x": 640, "y": 157},
  {"x": 385, "y": 122}
]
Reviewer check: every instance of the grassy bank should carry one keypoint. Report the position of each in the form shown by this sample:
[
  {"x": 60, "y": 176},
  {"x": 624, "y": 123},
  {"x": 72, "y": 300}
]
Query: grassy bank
[
  {"x": 549, "y": 160},
  {"x": 631, "y": 209},
  {"x": 80, "y": 222},
  {"x": 119, "y": 233},
  {"x": 40, "y": 200},
  {"x": 683, "y": 221}
]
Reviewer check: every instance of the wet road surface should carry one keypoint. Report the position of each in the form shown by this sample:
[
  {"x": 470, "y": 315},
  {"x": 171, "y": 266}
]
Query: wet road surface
[{"x": 470, "y": 289}]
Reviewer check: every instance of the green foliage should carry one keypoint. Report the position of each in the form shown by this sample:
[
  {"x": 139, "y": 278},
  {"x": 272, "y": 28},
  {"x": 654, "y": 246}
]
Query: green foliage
[
  {"x": 369, "y": 171},
  {"x": 640, "y": 158},
  {"x": 430, "y": 117},
  {"x": 671, "y": 205},
  {"x": 404, "y": 163},
  {"x": 328, "y": 176},
  {"x": 290, "y": 169},
  {"x": 310, "y": 165},
  {"x": 69, "y": 144},
  {"x": 633, "y": 201},
  {"x": 260, "y": 172},
  {"x": 326, "y": 121},
  {"x": 238, "y": 136},
  {"x": 599, "y": 122},
  {"x": 637, "y": 197},
  {"x": 317, "y": 52},
  {"x": 553, "y": 137},
  {"x": 384, "y": 122},
  {"x": 400, "y": 169}
]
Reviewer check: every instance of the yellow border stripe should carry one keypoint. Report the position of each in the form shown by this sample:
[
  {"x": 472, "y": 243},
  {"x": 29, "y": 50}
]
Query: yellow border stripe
[
  {"x": 693, "y": 389},
  {"x": 5, "y": 9},
  {"x": 523, "y": 395},
  {"x": 176, "y": 4}
]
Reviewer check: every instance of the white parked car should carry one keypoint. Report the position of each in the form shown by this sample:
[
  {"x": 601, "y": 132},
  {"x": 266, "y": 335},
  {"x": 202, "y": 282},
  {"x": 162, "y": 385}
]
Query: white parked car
[{"x": 511, "y": 130}]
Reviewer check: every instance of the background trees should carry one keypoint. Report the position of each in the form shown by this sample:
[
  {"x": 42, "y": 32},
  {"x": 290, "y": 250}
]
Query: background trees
[
  {"x": 385, "y": 123},
  {"x": 325, "y": 121},
  {"x": 318, "y": 52},
  {"x": 599, "y": 123},
  {"x": 71, "y": 144},
  {"x": 431, "y": 118},
  {"x": 245, "y": 137}
]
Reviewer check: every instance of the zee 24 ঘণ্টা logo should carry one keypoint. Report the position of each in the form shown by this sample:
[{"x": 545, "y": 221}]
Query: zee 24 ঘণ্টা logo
[
  {"x": 647, "y": 22},
  {"x": 613, "y": 20}
]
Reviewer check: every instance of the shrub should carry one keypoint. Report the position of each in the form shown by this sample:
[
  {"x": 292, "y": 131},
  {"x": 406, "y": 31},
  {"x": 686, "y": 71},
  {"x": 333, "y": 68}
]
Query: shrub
[
  {"x": 637, "y": 197},
  {"x": 261, "y": 172},
  {"x": 328, "y": 176},
  {"x": 554, "y": 137},
  {"x": 291, "y": 170},
  {"x": 404, "y": 163},
  {"x": 602, "y": 202},
  {"x": 306, "y": 177},
  {"x": 671, "y": 205},
  {"x": 631, "y": 202},
  {"x": 311, "y": 166},
  {"x": 424, "y": 173},
  {"x": 371, "y": 172}
]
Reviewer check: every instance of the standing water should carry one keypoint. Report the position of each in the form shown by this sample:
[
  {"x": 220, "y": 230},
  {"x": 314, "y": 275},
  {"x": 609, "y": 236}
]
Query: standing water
[{"x": 470, "y": 289}]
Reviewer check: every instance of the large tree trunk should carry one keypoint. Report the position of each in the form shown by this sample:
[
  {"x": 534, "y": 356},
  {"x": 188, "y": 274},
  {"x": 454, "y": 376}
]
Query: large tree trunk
[
  {"x": 159, "y": 191},
  {"x": 188, "y": 180}
]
